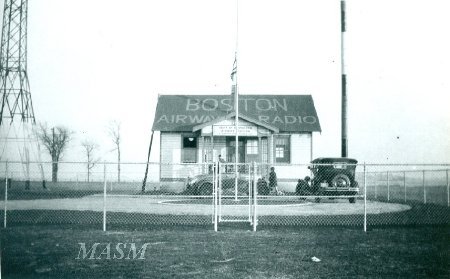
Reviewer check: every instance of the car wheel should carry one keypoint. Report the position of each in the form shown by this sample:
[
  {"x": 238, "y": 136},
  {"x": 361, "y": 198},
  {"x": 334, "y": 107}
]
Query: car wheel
[
  {"x": 352, "y": 200},
  {"x": 206, "y": 189},
  {"x": 340, "y": 181}
]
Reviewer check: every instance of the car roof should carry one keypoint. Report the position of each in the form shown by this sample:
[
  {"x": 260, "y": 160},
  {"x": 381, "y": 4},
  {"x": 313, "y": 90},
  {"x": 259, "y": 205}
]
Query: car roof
[{"x": 325, "y": 160}]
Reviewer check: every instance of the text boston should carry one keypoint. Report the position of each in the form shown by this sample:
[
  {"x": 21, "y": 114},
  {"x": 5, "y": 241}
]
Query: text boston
[{"x": 261, "y": 105}]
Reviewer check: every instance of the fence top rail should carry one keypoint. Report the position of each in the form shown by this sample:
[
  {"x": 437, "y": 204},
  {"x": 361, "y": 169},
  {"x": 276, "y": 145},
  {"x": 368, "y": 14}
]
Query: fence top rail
[
  {"x": 231, "y": 163},
  {"x": 401, "y": 171},
  {"x": 409, "y": 164}
]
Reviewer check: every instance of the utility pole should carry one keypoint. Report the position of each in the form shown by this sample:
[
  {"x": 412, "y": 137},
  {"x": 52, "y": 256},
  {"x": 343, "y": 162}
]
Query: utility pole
[{"x": 344, "y": 139}]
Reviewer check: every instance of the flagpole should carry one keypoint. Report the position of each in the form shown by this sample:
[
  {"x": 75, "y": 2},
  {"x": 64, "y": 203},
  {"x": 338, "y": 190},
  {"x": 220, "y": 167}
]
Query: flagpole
[
  {"x": 236, "y": 122},
  {"x": 236, "y": 107}
]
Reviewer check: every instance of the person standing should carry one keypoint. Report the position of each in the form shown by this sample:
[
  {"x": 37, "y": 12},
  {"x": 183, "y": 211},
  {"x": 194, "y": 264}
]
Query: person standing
[
  {"x": 222, "y": 161},
  {"x": 273, "y": 184}
]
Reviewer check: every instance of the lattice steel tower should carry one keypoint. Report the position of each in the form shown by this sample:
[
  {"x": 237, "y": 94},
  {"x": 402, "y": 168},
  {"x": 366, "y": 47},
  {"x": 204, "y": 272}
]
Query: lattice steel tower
[
  {"x": 17, "y": 120},
  {"x": 16, "y": 104}
]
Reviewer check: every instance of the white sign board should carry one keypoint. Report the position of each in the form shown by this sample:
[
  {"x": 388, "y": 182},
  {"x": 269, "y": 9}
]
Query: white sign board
[{"x": 230, "y": 130}]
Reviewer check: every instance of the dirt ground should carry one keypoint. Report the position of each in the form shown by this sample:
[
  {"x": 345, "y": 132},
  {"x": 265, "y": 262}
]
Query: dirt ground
[{"x": 282, "y": 206}]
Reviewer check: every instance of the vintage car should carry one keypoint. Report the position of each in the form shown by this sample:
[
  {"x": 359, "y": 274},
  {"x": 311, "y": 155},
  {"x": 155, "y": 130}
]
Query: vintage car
[
  {"x": 331, "y": 177},
  {"x": 203, "y": 184}
]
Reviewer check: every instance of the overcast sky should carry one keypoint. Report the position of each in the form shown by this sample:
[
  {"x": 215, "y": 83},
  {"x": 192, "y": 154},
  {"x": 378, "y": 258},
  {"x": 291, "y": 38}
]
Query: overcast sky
[{"x": 93, "y": 61}]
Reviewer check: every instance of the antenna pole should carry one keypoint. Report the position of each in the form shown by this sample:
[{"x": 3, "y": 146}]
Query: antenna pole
[{"x": 344, "y": 139}]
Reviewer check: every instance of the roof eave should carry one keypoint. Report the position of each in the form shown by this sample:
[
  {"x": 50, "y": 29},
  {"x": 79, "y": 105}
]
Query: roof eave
[{"x": 231, "y": 115}]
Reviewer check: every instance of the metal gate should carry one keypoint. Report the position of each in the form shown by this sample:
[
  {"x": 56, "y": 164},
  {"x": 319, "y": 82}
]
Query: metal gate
[{"x": 234, "y": 194}]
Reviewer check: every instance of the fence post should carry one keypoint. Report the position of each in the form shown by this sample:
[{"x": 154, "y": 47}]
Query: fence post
[
  {"x": 6, "y": 194},
  {"x": 215, "y": 193},
  {"x": 365, "y": 199},
  {"x": 250, "y": 179},
  {"x": 255, "y": 195},
  {"x": 404, "y": 183},
  {"x": 424, "y": 189},
  {"x": 388, "y": 186},
  {"x": 219, "y": 189},
  {"x": 251, "y": 192},
  {"x": 104, "y": 197}
]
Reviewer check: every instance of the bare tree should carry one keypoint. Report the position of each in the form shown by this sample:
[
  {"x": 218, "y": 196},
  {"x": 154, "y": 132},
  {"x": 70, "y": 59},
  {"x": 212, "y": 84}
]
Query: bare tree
[
  {"x": 114, "y": 133},
  {"x": 55, "y": 141},
  {"x": 89, "y": 147}
]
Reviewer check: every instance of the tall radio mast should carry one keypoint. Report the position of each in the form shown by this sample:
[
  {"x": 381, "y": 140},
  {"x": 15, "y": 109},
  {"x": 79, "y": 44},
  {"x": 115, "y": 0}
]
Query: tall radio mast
[
  {"x": 344, "y": 139},
  {"x": 16, "y": 104},
  {"x": 17, "y": 118}
]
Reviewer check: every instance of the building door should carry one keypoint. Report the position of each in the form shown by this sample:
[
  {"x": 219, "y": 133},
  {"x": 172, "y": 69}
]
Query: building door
[{"x": 231, "y": 150}]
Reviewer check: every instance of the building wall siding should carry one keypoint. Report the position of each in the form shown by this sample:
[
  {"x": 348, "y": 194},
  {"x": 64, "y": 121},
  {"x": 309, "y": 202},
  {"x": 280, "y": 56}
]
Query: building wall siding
[
  {"x": 288, "y": 174},
  {"x": 301, "y": 148},
  {"x": 170, "y": 148},
  {"x": 171, "y": 166}
]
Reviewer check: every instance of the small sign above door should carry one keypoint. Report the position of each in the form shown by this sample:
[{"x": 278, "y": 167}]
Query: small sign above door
[{"x": 230, "y": 130}]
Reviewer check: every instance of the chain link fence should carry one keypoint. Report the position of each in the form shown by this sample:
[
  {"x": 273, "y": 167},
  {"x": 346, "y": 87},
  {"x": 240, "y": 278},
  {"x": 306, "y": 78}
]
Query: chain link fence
[{"x": 322, "y": 193}]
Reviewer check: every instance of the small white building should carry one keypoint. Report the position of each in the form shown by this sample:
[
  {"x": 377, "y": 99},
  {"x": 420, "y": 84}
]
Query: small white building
[{"x": 273, "y": 130}]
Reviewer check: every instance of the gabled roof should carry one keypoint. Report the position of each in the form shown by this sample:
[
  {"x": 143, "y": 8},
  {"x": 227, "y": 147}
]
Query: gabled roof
[{"x": 186, "y": 113}]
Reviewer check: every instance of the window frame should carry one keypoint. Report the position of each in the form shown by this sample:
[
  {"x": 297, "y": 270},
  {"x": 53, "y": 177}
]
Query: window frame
[
  {"x": 186, "y": 152},
  {"x": 251, "y": 147},
  {"x": 286, "y": 149}
]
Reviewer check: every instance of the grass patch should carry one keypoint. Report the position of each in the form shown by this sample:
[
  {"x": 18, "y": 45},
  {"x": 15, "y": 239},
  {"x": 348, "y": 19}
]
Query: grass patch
[
  {"x": 419, "y": 214},
  {"x": 234, "y": 252}
]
